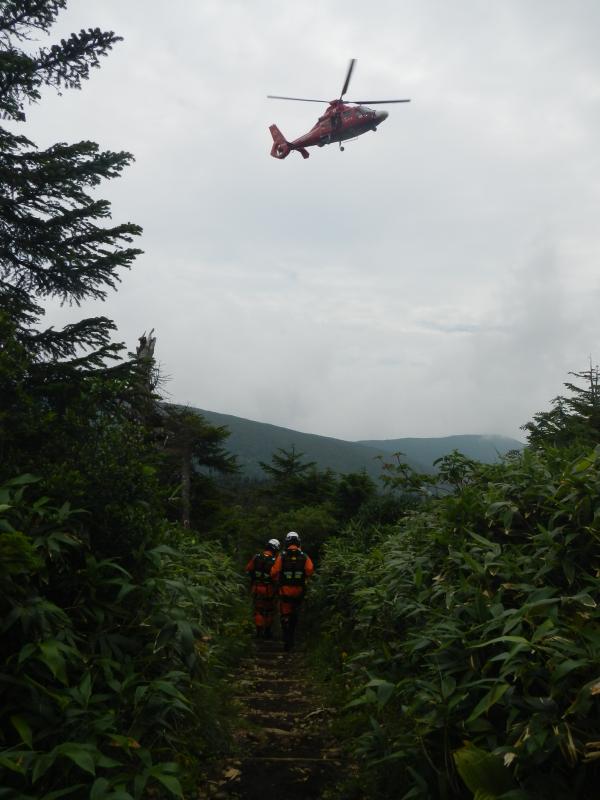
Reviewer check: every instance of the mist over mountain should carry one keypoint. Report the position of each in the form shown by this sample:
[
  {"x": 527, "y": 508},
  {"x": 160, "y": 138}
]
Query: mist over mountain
[
  {"x": 253, "y": 442},
  {"x": 488, "y": 449}
]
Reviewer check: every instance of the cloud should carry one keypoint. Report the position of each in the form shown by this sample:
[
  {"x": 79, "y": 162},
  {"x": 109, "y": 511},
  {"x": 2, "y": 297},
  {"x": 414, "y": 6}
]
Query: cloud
[{"x": 438, "y": 277}]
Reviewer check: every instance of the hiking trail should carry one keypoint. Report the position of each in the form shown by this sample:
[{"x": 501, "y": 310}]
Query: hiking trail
[{"x": 284, "y": 746}]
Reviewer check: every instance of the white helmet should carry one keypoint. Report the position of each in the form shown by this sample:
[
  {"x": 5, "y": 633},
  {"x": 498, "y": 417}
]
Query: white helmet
[
  {"x": 292, "y": 538},
  {"x": 274, "y": 543}
]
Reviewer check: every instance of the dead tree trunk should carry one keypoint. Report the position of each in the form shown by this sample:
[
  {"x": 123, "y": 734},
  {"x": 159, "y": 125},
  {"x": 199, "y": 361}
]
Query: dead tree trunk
[{"x": 186, "y": 482}]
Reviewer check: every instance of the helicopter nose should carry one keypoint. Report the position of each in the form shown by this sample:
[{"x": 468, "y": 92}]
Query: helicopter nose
[{"x": 380, "y": 116}]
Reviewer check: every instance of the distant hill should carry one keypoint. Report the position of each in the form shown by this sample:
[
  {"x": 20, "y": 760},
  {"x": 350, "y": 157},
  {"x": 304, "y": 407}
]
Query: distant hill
[
  {"x": 257, "y": 441},
  {"x": 253, "y": 442},
  {"x": 488, "y": 449}
]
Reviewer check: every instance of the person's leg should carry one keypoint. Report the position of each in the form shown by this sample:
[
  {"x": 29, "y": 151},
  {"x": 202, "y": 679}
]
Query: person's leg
[
  {"x": 293, "y": 621},
  {"x": 268, "y": 613},
  {"x": 259, "y": 616}
]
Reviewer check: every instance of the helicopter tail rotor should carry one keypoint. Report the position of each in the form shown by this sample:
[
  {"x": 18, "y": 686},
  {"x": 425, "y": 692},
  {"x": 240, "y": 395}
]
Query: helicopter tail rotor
[{"x": 281, "y": 147}]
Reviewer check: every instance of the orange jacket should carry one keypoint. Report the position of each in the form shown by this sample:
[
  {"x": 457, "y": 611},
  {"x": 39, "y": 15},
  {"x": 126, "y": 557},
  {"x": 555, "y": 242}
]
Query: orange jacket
[
  {"x": 257, "y": 586},
  {"x": 291, "y": 591}
]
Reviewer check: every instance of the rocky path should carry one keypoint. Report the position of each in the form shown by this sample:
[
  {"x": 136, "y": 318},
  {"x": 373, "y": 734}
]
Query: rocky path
[{"x": 284, "y": 746}]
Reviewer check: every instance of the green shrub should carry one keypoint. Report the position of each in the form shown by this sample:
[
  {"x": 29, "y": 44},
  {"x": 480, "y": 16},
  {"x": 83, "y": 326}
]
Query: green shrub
[
  {"x": 109, "y": 682},
  {"x": 477, "y": 622}
]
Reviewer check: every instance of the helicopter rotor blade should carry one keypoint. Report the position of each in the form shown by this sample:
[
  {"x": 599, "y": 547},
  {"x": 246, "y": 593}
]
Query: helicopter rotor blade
[
  {"x": 348, "y": 76},
  {"x": 375, "y": 102},
  {"x": 302, "y": 99}
]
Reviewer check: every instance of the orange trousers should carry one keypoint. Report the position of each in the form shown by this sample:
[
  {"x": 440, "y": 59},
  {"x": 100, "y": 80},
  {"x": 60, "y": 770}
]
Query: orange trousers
[{"x": 264, "y": 605}]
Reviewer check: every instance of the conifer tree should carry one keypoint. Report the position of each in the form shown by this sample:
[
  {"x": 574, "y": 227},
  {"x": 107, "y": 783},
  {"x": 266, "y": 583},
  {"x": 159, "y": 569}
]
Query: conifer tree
[
  {"x": 56, "y": 239},
  {"x": 573, "y": 419},
  {"x": 287, "y": 465},
  {"x": 191, "y": 442},
  {"x": 295, "y": 482}
]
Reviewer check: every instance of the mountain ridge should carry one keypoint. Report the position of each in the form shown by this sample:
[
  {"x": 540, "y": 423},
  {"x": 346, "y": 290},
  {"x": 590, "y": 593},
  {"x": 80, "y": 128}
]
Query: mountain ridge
[
  {"x": 253, "y": 441},
  {"x": 487, "y": 448}
]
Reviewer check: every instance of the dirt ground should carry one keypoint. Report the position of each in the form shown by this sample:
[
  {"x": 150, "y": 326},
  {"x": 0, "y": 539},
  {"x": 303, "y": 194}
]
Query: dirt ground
[{"x": 285, "y": 749}]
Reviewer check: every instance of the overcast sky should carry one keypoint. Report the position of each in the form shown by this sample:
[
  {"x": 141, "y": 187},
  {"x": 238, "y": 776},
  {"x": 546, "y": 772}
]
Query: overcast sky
[{"x": 440, "y": 276}]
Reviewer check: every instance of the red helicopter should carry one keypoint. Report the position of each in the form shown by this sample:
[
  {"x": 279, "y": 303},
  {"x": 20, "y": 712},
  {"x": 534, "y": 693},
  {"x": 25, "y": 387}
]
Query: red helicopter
[{"x": 339, "y": 122}]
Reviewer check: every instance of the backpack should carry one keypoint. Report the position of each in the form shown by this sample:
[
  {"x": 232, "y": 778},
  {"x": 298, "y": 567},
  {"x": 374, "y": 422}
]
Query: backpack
[
  {"x": 292, "y": 568},
  {"x": 262, "y": 568}
]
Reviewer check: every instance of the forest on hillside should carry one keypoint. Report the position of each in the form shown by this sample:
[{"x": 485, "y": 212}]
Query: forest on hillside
[
  {"x": 254, "y": 442},
  {"x": 453, "y": 618}
]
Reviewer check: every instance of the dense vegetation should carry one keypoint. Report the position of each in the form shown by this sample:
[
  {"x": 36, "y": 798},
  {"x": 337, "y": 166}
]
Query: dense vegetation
[
  {"x": 467, "y": 633},
  {"x": 116, "y": 622},
  {"x": 455, "y": 615}
]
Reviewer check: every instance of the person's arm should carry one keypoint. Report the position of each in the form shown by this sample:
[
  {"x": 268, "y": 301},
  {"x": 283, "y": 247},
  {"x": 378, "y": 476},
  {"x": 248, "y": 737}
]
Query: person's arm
[
  {"x": 309, "y": 567},
  {"x": 250, "y": 566},
  {"x": 276, "y": 569}
]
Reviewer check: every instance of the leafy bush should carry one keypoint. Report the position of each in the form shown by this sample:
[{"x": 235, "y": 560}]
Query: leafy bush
[
  {"x": 108, "y": 675},
  {"x": 476, "y": 622}
]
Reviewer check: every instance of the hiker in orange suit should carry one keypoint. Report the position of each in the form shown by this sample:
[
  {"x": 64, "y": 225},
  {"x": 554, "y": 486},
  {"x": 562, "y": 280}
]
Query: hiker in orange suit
[
  {"x": 290, "y": 571},
  {"x": 262, "y": 587}
]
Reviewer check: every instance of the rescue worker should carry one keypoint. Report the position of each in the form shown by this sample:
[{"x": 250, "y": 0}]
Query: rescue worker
[
  {"x": 262, "y": 588},
  {"x": 290, "y": 572}
]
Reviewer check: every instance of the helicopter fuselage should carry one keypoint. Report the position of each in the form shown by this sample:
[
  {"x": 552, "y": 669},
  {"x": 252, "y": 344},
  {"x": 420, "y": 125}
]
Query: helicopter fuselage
[{"x": 339, "y": 122}]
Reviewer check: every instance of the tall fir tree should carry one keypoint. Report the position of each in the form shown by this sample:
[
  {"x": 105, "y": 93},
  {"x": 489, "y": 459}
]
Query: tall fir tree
[
  {"x": 574, "y": 419},
  {"x": 191, "y": 442},
  {"x": 287, "y": 465},
  {"x": 56, "y": 239}
]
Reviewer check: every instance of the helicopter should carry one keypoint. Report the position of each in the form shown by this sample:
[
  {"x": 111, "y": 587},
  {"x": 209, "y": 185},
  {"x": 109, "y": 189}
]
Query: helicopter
[{"x": 342, "y": 120}]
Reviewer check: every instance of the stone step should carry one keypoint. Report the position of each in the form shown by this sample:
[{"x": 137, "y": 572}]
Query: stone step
[
  {"x": 275, "y": 719},
  {"x": 288, "y": 777},
  {"x": 261, "y": 702}
]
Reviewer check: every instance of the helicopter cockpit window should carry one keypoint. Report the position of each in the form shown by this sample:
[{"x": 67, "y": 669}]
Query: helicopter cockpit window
[
  {"x": 347, "y": 114},
  {"x": 364, "y": 111}
]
